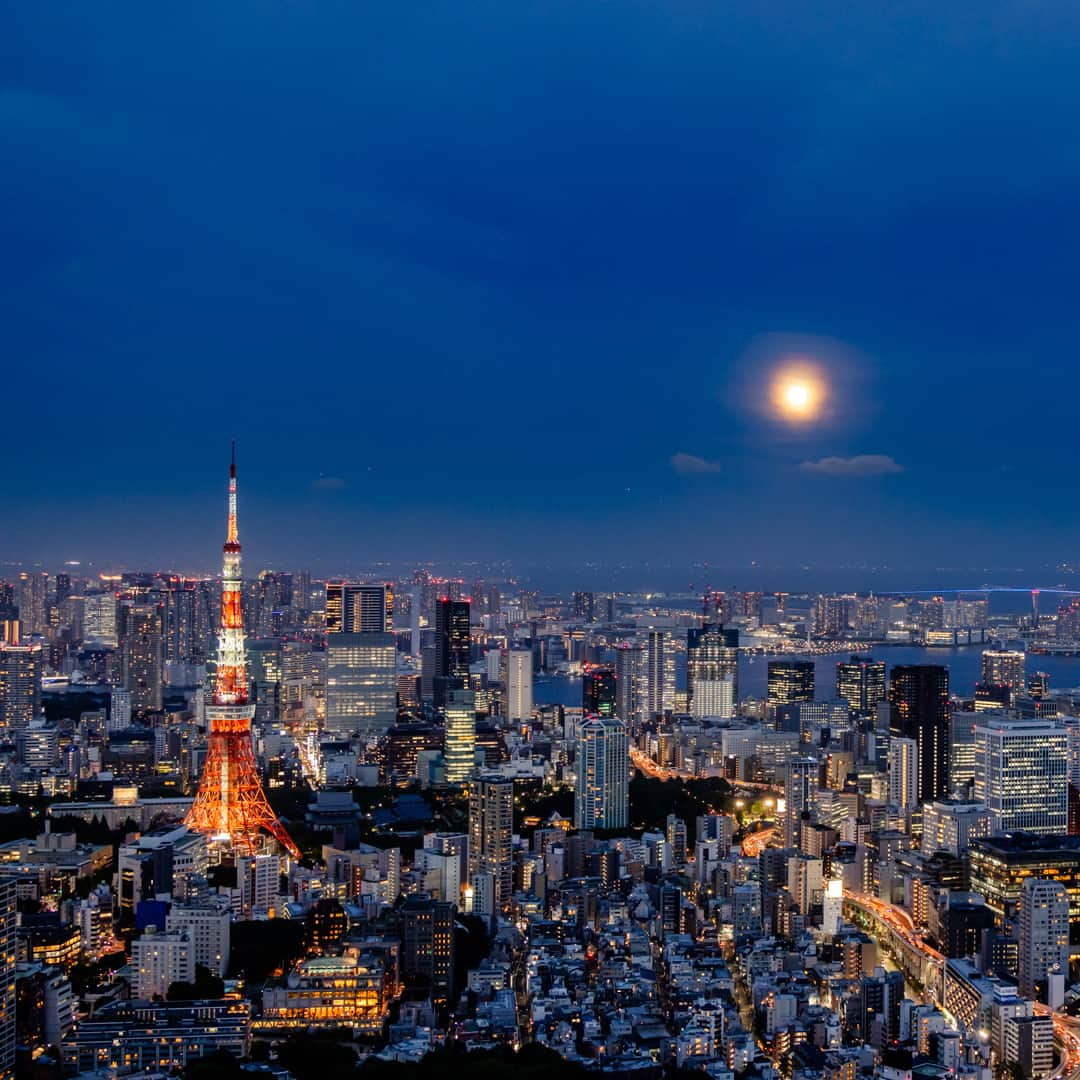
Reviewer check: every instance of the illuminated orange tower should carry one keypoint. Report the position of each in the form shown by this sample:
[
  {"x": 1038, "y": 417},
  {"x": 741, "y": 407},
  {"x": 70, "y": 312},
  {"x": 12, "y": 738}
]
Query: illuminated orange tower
[{"x": 231, "y": 805}]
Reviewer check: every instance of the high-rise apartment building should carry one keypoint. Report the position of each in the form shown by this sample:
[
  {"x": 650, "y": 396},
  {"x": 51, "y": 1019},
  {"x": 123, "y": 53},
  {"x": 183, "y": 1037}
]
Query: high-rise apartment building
[
  {"x": 904, "y": 774},
  {"x": 659, "y": 673},
  {"x": 790, "y": 681},
  {"x": 491, "y": 833},
  {"x": 459, "y": 749},
  {"x": 919, "y": 696},
  {"x": 1021, "y": 774},
  {"x": 629, "y": 682},
  {"x": 712, "y": 671},
  {"x": 20, "y": 685},
  {"x": 598, "y": 691},
  {"x": 31, "y": 594},
  {"x": 584, "y": 606},
  {"x": 861, "y": 682},
  {"x": 143, "y": 656},
  {"x": 1004, "y": 667},
  {"x": 603, "y": 775},
  {"x": 1044, "y": 935},
  {"x": 519, "y": 685}
]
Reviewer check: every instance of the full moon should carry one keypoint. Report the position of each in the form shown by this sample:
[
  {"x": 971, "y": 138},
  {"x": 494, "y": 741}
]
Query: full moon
[{"x": 798, "y": 393}]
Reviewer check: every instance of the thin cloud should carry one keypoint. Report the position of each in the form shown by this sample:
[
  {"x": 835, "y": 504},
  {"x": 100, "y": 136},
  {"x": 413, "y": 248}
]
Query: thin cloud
[
  {"x": 328, "y": 483},
  {"x": 860, "y": 465},
  {"x": 692, "y": 465}
]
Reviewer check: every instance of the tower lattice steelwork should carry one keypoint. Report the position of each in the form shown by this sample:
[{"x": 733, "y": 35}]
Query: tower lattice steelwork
[{"x": 231, "y": 805}]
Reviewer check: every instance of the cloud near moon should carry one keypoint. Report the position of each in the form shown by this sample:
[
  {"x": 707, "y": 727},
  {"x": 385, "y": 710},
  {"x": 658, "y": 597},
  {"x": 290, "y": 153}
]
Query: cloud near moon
[
  {"x": 860, "y": 465},
  {"x": 692, "y": 465}
]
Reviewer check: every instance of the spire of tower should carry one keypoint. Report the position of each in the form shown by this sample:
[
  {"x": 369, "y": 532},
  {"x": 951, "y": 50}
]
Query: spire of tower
[{"x": 232, "y": 536}]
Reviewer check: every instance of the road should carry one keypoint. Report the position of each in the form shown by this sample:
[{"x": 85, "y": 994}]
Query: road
[{"x": 899, "y": 921}]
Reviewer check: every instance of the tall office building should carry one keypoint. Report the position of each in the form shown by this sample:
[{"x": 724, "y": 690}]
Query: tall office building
[
  {"x": 143, "y": 656},
  {"x": 20, "y": 685},
  {"x": 961, "y": 752},
  {"x": 1004, "y": 667},
  {"x": 629, "y": 682},
  {"x": 359, "y": 608},
  {"x": 904, "y": 774},
  {"x": 598, "y": 691},
  {"x": 602, "y": 797},
  {"x": 452, "y": 646},
  {"x": 100, "y": 620},
  {"x": 491, "y": 833},
  {"x": 519, "y": 685},
  {"x": 361, "y": 683},
  {"x": 919, "y": 696},
  {"x": 659, "y": 674},
  {"x": 1021, "y": 774},
  {"x": 1044, "y": 935},
  {"x": 712, "y": 671},
  {"x": 800, "y": 795},
  {"x": 8, "y": 932},
  {"x": 861, "y": 682},
  {"x": 460, "y": 745},
  {"x": 790, "y": 681}
]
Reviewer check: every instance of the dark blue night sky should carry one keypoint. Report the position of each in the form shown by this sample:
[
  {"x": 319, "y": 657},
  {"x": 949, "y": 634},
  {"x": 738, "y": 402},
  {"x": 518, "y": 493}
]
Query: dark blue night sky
[{"x": 503, "y": 280}]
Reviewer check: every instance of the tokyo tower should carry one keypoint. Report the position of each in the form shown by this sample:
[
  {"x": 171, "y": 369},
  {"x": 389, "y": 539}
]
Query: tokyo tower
[{"x": 231, "y": 805}]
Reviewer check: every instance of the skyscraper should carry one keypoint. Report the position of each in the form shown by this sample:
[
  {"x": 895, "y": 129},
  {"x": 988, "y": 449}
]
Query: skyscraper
[
  {"x": 629, "y": 682},
  {"x": 904, "y": 773},
  {"x": 452, "y": 646},
  {"x": 712, "y": 671},
  {"x": 1044, "y": 935},
  {"x": 790, "y": 681},
  {"x": 100, "y": 620},
  {"x": 800, "y": 792},
  {"x": 143, "y": 656},
  {"x": 659, "y": 674},
  {"x": 603, "y": 775},
  {"x": 584, "y": 606},
  {"x": 20, "y": 685},
  {"x": 491, "y": 833},
  {"x": 1021, "y": 774},
  {"x": 361, "y": 683},
  {"x": 460, "y": 746},
  {"x": 1004, "y": 667},
  {"x": 519, "y": 685},
  {"x": 598, "y": 691},
  {"x": 359, "y": 608},
  {"x": 919, "y": 695},
  {"x": 861, "y": 682}
]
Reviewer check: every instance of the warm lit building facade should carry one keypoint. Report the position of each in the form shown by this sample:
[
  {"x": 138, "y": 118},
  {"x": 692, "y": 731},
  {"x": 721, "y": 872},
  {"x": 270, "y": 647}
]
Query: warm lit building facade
[{"x": 330, "y": 992}]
